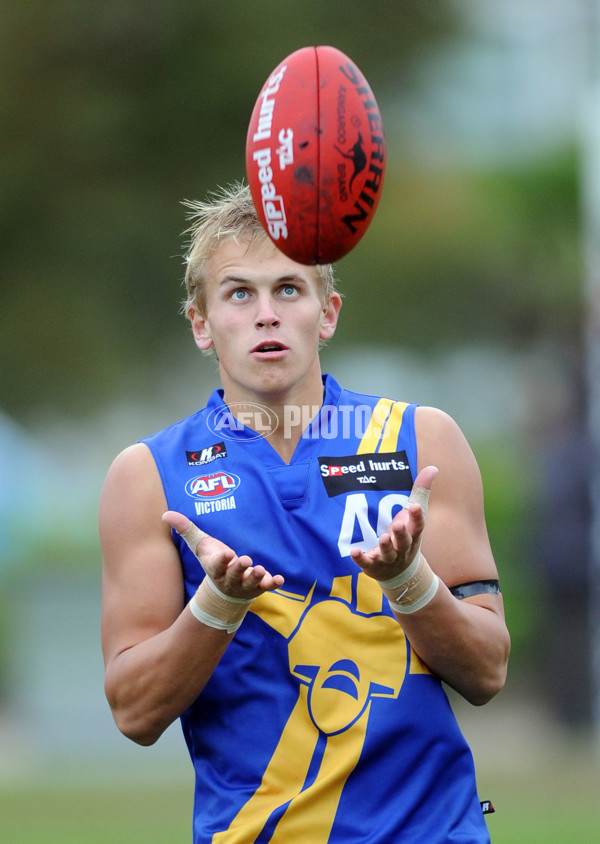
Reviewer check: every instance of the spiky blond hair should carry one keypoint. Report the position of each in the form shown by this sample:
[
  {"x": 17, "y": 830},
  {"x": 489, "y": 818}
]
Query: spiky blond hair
[{"x": 228, "y": 213}]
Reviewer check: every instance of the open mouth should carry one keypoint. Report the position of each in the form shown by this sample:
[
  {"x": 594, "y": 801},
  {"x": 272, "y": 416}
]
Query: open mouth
[{"x": 265, "y": 348}]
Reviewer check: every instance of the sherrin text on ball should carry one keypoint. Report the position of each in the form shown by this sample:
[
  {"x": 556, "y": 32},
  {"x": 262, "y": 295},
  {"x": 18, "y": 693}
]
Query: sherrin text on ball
[{"x": 315, "y": 155}]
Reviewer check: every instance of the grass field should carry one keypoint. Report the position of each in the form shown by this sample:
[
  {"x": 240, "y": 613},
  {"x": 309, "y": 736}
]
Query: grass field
[
  {"x": 96, "y": 814},
  {"x": 544, "y": 783},
  {"x": 557, "y": 804}
]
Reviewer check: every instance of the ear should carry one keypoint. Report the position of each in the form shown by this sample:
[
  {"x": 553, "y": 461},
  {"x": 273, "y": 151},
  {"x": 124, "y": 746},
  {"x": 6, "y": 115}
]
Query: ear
[
  {"x": 330, "y": 315},
  {"x": 200, "y": 329}
]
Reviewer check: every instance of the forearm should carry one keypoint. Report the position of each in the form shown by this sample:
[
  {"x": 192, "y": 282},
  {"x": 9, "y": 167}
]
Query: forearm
[
  {"x": 467, "y": 645},
  {"x": 151, "y": 683}
]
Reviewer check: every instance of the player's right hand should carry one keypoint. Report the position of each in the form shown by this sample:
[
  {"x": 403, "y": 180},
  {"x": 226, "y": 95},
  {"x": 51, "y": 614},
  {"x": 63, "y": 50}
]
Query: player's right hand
[{"x": 235, "y": 576}]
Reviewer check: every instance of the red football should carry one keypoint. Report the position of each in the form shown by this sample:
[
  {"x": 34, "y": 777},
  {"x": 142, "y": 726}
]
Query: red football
[{"x": 315, "y": 155}]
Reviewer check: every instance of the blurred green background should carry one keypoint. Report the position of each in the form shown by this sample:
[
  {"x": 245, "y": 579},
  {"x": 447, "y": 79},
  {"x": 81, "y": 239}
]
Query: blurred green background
[{"x": 468, "y": 292}]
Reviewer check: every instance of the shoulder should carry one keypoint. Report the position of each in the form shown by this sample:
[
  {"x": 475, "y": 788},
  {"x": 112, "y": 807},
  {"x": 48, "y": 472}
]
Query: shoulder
[
  {"x": 442, "y": 443},
  {"x": 134, "y": 458},
  {"x": 434, "y": 419},
  {"x": 458, "y": 488},
  {"x": 132, "y": 485},
  {"x": 437, "y": 431}
]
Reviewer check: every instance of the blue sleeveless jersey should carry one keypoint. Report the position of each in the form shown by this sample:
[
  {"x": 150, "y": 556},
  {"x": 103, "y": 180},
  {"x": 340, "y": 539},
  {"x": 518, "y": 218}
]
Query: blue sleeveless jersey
[{"x": 320, "y": 723}]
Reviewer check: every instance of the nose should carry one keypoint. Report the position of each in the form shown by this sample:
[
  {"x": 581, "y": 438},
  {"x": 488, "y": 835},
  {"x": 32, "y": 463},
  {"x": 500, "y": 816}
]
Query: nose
[{"x": 266, "y": 315}]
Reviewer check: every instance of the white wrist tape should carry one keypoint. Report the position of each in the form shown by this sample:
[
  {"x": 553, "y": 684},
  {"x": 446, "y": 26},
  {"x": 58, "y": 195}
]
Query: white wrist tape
[
  {"x": 209, "y": 605},
  {"x": 215, "y": 609},
  {"x": 414, "y": 587}
]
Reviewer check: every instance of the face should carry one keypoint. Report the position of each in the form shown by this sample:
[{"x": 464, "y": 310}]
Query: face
[{"x": 265, "y": 315}]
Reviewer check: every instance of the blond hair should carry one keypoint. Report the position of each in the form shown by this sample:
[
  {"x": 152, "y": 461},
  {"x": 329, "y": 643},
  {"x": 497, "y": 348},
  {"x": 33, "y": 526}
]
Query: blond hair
[{"x": 229, "y": 213}]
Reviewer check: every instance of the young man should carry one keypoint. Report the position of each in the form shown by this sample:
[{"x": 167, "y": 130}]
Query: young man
[{"x": 272, "y": 575}]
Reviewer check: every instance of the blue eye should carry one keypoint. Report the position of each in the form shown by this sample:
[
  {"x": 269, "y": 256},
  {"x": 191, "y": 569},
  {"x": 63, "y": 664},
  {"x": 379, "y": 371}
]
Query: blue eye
[
  {"x": 239, "y": 294},
  {"x": 289, "y": 290}
]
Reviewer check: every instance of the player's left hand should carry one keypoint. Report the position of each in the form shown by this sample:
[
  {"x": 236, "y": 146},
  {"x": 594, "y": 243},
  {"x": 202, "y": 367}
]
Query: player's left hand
[{"x": 398, "y": 546}]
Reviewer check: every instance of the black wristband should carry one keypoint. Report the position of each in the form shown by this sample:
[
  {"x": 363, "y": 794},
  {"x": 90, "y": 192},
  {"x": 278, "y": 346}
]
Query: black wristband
[{"x": 476, "y": 587}]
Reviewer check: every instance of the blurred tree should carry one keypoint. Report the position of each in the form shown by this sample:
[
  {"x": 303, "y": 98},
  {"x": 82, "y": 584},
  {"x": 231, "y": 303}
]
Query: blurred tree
[
  {"x": 482, "y": 256},
  {"x": 113, "y": 113}
]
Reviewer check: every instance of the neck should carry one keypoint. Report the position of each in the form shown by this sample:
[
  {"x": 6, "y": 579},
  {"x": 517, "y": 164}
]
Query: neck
[{"x": 285, "y": 417}]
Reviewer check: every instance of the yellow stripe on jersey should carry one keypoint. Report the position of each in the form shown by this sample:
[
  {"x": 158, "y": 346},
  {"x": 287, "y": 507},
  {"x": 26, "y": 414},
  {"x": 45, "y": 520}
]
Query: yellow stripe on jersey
[
  {"x": 389, "y": 440},
  {"x": 383, "y": 428}
]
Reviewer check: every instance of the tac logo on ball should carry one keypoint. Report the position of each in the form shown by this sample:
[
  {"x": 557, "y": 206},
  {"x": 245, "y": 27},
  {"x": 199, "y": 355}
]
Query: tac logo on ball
[{"x": 315, "y": 155}]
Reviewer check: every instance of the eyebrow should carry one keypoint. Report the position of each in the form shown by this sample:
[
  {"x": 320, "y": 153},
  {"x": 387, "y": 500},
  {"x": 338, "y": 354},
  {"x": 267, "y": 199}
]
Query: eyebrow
[{"x": 235, "y": 279}]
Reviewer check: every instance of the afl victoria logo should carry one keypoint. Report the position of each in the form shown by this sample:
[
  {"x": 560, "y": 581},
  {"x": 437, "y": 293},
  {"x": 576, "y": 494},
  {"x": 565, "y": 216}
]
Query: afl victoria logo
[{"x": 217, "y": 485}]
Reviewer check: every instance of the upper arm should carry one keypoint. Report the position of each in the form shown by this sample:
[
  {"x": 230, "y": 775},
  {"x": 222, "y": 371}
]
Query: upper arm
[
  {"x": 142, "y": 581},
  {"x": 455, "y": 540}
]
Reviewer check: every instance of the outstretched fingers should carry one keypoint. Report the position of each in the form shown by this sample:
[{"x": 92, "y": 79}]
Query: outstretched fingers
[
  {"x": 258, "y": 577},
  {"x": 232, "y": 574},
  {"x": 422, "y": 488},
  {"x": 426, "y": 477},
  {"x": 185, "y": 528},
  {"x": 398, "y": 546},
  {"x": 178, "y": 521}
]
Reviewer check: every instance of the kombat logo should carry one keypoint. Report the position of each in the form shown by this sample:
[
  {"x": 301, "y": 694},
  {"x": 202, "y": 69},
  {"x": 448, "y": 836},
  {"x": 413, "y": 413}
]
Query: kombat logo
[
  {"x": 206, "y": 455},
  {"x": 213, "y": 493},
  {"x": 365, "y": 472}
]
